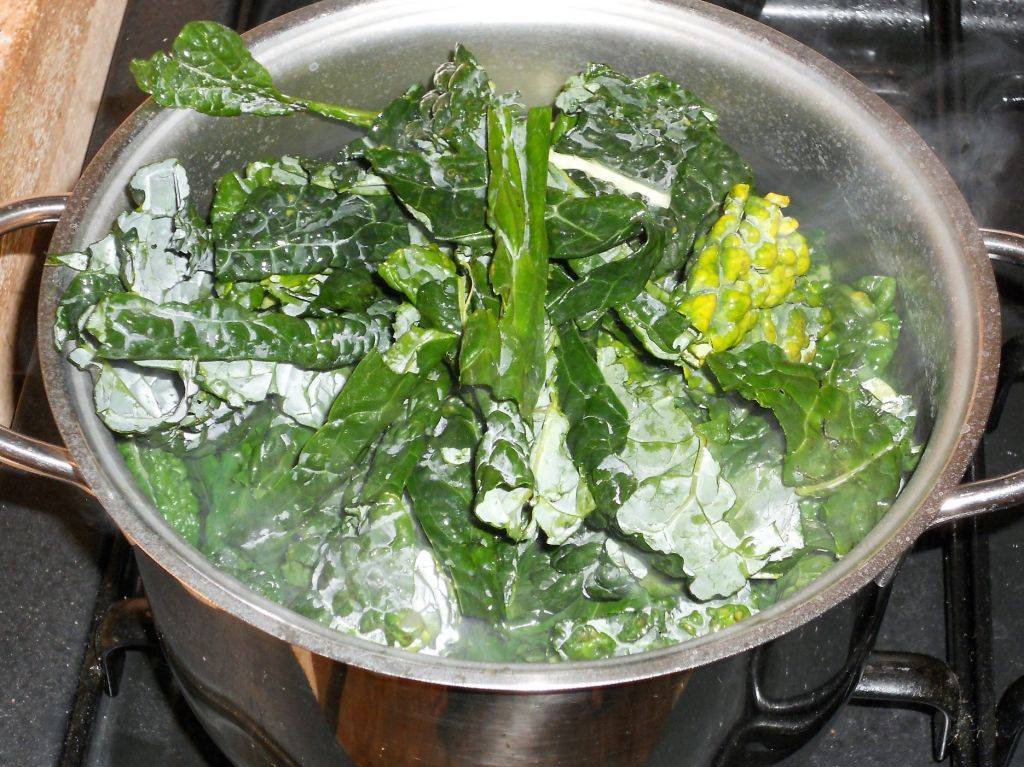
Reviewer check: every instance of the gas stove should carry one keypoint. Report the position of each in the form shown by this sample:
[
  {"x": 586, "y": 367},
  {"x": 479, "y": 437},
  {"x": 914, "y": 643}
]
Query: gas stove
[{"x": 85, "y": 685}]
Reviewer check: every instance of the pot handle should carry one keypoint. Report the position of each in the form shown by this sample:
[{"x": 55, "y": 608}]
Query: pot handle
[
  {"x": 17, "y": 450},
  {"x": 1007, "y": 490}
]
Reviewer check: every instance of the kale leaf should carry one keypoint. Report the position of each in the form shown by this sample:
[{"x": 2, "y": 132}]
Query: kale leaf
[
  {"x": 493, "y": 382},
  {"x": 841, "y": 443},
  {"x": 598, "y": 422},
  {"x": 506, "y": 353},
  {"x": 163, "y": 477},
  {"x": 287, "y": 229},
  {"x": 430, "y": 146},
  {"x": 129, "y": 327},
  {"x": 210, "y": 70},
  {"x": 651, "y": 138}
]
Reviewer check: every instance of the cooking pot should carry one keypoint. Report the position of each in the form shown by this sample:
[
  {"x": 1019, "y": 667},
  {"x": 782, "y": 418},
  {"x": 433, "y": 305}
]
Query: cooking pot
[{"x": 277, "y": 688}]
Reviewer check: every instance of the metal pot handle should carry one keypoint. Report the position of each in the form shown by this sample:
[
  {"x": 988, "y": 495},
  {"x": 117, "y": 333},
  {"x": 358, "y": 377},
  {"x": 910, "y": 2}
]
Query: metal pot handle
[
  {"x": 17, "y": 450},
  {"x": 1007, "y": 490}
]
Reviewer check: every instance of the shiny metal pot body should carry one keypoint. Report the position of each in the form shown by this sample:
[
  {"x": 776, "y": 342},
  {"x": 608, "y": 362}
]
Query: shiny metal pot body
[
  {"x": 267, "y": 702},
  {"x": 811, "y": 131}
]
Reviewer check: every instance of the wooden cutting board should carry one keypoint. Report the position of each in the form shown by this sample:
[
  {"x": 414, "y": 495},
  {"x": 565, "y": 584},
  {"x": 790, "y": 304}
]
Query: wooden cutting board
[{"x": 54, "y": 56}]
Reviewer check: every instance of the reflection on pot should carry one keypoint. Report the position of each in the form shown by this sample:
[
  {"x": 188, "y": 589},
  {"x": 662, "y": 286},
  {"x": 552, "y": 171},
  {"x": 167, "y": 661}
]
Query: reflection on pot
[{"x": 267, "y": 702}]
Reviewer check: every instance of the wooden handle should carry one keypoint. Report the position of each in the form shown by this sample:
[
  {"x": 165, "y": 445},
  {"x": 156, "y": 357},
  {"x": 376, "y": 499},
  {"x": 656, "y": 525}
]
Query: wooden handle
[{"x": 54, "y": 56}]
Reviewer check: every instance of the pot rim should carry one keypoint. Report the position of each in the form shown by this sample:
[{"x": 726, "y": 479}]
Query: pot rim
[{"x": 880, "y": 549}]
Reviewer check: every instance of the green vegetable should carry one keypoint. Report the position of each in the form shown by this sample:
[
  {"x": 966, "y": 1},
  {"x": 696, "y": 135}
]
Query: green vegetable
[
  {"x": 749, "y": 451},
  {"x": 656, "y": 325},
  {"x": 129, "y": 327},
  {"x": 163, "y": 477},
  {"x": 580, "y": 226},
  {"x": 841, "y": 443},
  {"x": 682, "y": 501},
  {"x": 431, "y": 149},
  {"x": 441, "y": 491},
  {"x": 607, "y": 286},
  {"x": 287, "y": 229},
  {"x": 209, "y": 70},
  {"x": 233, "y": 188},
  {"x": 501, "y": 472},
  {"x": 230, "y": 479},
  {"x": 379, "y": 580},
  {"x": 598, "y": 422},
  {"x": 805, "y": 570},
  {"x": 348, "y": 289},
  {"x": 506, "y": 353},
  {"x": 397, "y": 453},
  {"x": 651, "y": 138},
  {"x": 561, "y": 499},
  {"x": 861, "y": 336},
  {"x": 77, "y": 302},
  {"x": 491, "y": 382},
  {"x": 750, "y": 260},
  {"x": 372, "y": 398},
  {"x": 428, "y": 278}
]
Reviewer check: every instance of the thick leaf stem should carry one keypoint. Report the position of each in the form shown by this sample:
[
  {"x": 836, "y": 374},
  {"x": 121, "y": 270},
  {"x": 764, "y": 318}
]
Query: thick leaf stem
[{"x": 361, "y": 117}]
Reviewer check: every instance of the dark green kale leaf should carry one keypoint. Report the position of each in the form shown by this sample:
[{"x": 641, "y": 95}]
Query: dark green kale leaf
[
  {"x": 640, "y": 127},
  {"x": 228, "y": 480},
  {"x": 648, "y": 136},
  {"x": 749, "y": 448},
  {"x": 233, "y": 188},
  {"x": 398, "y": 452},
  {"x": 431, "y": 149},
  {"x": 372, "y": 398},
  {"x": 375, "y": 577},
  {"x": 270, "y": 548},
  {"x": 275, "y": 454},
  {"x": 480, "y": 349},
  {"x": 598, "y": 422},
  {"x": 506, "y": 353},
  {"x": 85, "y": 290},
  {"x": 346, "y": 289},
  {"x": 501, "y": 472},
  {"x": 806, "y": 569},
  {"x": 580, "y": 226},
  {"x": 428, "y": 278},
  {"x": 164, "y": 479},
  {"x": 841, "y": 444},
  {"x": 476, "y": 263},
  {"x": 653, "y": 321},
  {"x": 592, "y": 598},
  {"x": 611, "y": 284},
  {"x": 160, "y": 250},
  {"x": 441, "y": 491},
  {"x": 210, "y": 70},
  {"x": 863, "y": 329},
  {"x": 304, "y": 495},
  {"x": 373, "y": 574},
  {"x": 287, "y": 229},
  {"x": 128, "y": 327}
]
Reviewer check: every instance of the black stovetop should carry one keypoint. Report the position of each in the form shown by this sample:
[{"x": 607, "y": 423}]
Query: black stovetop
[{"x": 955, "y": 70}]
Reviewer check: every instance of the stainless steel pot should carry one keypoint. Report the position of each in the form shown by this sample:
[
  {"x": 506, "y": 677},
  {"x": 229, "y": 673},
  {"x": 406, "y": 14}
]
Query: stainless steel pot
[{"x": 810, "y": 130}]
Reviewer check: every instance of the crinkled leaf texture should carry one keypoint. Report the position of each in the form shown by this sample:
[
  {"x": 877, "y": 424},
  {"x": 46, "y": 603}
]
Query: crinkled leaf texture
[
  {"x": 446, "y": 390},
  {"x": 842, "y": 444},
  {"x": 431, "y": 148},
  {"x": 683, "y": 504},
  {"x": 210, "y": 70},
  {"x": 651, "y": 138}
]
